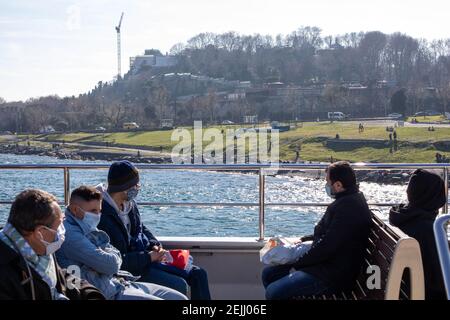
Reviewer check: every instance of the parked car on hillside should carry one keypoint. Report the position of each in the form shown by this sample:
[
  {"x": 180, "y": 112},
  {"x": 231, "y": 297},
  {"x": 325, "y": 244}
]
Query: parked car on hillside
[
  {"x": 336, "y": 115},
  {"x": 47, "y": 129},
  {"x": 130, "y": 125},
  {"x": 395, "y": 115},
  {"x": 433, "y": 113}
]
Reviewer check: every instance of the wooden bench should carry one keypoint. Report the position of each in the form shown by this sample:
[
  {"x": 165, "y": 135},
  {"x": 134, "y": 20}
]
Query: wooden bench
[{"x": 400, "y": 264}]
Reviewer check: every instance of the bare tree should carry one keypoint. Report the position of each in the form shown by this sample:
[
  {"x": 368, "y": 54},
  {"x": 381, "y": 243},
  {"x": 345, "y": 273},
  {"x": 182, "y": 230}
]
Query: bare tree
[
  {"x": 444, "y": 95},
  {"x": 36, "y": 117},
  {"x": 115, "y": 114},
  {"x": 211, "y": 105}
]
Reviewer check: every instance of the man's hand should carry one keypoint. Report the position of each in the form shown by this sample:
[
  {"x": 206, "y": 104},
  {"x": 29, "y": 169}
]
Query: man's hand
[
  {"x": 156, "y": 256},
  {"x": 157, "y": 248}
]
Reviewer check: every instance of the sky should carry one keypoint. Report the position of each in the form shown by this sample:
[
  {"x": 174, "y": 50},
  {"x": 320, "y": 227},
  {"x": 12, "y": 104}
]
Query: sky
[{"x": 66, "y": 47}]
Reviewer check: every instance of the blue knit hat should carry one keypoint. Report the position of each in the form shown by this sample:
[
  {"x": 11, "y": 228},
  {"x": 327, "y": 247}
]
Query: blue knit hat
[{"x": 122, "y": 176}]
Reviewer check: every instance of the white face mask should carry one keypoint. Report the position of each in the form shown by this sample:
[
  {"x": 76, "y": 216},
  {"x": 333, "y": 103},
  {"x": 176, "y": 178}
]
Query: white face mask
[{"x": 52, "y": 247}]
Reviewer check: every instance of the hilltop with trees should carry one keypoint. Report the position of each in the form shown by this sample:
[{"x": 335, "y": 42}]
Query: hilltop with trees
[{"x": 300, "y": 75}]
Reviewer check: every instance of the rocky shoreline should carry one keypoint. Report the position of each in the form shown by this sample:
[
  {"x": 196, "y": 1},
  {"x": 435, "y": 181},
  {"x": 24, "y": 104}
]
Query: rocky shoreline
[
  {"x": 80, "y": 155},
  {"x": 379, "y": 176}
]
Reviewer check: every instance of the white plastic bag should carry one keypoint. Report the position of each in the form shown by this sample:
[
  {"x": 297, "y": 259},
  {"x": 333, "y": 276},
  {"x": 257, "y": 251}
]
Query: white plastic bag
[{"x": 278, "y": 251}]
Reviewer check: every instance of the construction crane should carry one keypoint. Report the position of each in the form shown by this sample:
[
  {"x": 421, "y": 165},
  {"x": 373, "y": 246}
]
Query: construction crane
[{"x": 119, "y": 62}]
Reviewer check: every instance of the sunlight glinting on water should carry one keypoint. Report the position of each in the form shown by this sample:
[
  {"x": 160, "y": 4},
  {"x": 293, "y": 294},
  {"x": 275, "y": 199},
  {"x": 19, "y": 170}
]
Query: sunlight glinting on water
[{"x": 201, "y": 186}]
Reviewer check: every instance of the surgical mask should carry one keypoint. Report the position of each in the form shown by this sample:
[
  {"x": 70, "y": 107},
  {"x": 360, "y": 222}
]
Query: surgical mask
[
  {"x": 329, "y": 191},
  {"x": 132, "y": 193},
  {"x": 91, "y": 219},
  {"x": 52, "y": 247}
]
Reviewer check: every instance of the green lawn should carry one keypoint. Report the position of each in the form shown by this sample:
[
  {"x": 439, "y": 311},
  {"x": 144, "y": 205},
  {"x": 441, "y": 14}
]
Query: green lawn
[
  {"x": 322, "y": 129},
  {"x": 318, "y": 152},
  {"x": 428, "y": 118},
  {"x": 310, "y": 136},
  {"x": 150, "y": 138},
  {"x": 350, "y": 131},
  {"x": 70, "y": 137}
]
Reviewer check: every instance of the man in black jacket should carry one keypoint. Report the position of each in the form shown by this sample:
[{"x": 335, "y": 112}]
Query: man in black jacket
[
  {"x": 337, "y": 252},
  {"x": 28, "y": 269},
  {"x": 426, "y": 195}
]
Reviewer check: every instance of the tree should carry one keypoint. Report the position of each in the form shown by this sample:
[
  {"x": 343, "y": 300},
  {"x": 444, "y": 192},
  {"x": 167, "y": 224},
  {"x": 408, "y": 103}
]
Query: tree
[
  {"x": 398, "y": 101},
  {"x": 444, "y": 95},
  {"x": 401, "y": 53},
  {"x": 211, "y": 105},
  {"x": 160, "y": 99},
  {"x": 334, "y": 97},
  {"x": 371, "y": 50},
  {"x": 115, "y": 114},
  {"x": 2, "y": 101},
  {"x": 36, "y": 117}
]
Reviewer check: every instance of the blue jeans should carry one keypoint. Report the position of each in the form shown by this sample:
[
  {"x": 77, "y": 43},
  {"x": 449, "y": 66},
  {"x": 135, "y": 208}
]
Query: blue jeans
[
  {"x": 197, "y": 278},
  {"x": 280, "y": 284},
  {"x": 161, "y": 277}
]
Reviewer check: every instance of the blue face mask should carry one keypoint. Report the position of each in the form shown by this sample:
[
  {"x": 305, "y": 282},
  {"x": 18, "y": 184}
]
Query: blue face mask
[
  {"x": 92, "y": 219},
  {"x": 132, "y": 194},
  {"x": 329, "y": 191}
]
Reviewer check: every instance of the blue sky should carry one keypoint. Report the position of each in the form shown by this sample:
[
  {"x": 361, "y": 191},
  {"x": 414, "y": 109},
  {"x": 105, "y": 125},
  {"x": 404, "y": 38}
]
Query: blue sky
[{"x": 65, "y": 47}]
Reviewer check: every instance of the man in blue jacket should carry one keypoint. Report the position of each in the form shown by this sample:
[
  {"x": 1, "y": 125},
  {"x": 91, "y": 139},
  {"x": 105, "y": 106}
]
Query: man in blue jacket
[
  {"x": 142, "y": 253},
  {"x": 88, "y": 249}
]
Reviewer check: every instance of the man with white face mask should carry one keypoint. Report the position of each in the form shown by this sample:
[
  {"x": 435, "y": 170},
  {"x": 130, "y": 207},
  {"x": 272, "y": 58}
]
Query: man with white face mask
[
  {"x": 33, "y": 233},
  {"x": 99, "y": 262}
]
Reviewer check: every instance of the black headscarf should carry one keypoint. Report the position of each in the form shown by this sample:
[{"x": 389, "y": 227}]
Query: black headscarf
[{"x": 426, "y": 190}]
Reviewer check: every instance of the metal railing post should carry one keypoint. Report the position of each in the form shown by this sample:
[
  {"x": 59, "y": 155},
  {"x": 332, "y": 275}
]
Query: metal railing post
[
  {"x": 440, "y": 235},
  {"x": 66, "y": 185},
  {"x": 261, "y": 185},
  {"x": 446, "y": 190}
]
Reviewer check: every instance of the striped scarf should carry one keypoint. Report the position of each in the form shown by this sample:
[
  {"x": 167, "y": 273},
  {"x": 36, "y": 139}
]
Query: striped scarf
[{"x": 43, "y": 265}]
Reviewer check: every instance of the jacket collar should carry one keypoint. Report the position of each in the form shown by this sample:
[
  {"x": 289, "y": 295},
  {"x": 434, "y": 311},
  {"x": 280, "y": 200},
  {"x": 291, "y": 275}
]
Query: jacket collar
[
  {"x": 7, "y": 255},
  {"x": 347, "y": 192},
  {"x": 109, "y": 211}
]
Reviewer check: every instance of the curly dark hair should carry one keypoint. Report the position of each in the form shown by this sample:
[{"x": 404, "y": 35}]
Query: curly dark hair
[{"x": 32, "y": 208}]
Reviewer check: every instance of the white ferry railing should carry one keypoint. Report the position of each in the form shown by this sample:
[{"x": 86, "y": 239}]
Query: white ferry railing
[
  {"x": 261, "y": 169},
  {"x": 441, "y": 237}
]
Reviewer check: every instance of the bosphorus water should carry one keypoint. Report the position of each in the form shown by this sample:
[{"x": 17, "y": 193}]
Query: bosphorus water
[{"x": 199, "y": 186}]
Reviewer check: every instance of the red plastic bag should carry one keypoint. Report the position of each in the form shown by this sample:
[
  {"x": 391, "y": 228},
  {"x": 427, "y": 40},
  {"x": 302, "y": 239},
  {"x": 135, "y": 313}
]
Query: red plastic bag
[{"x": 180, "y": 258}]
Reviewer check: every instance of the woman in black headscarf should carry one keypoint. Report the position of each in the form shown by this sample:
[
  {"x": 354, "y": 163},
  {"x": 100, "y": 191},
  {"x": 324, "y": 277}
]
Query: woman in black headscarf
[{"x": 426, "y": 195}]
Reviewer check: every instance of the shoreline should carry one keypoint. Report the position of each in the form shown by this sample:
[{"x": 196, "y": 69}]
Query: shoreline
[
  {"x": 377, "y": 176},
  {"x": 83, "y": 155}
]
